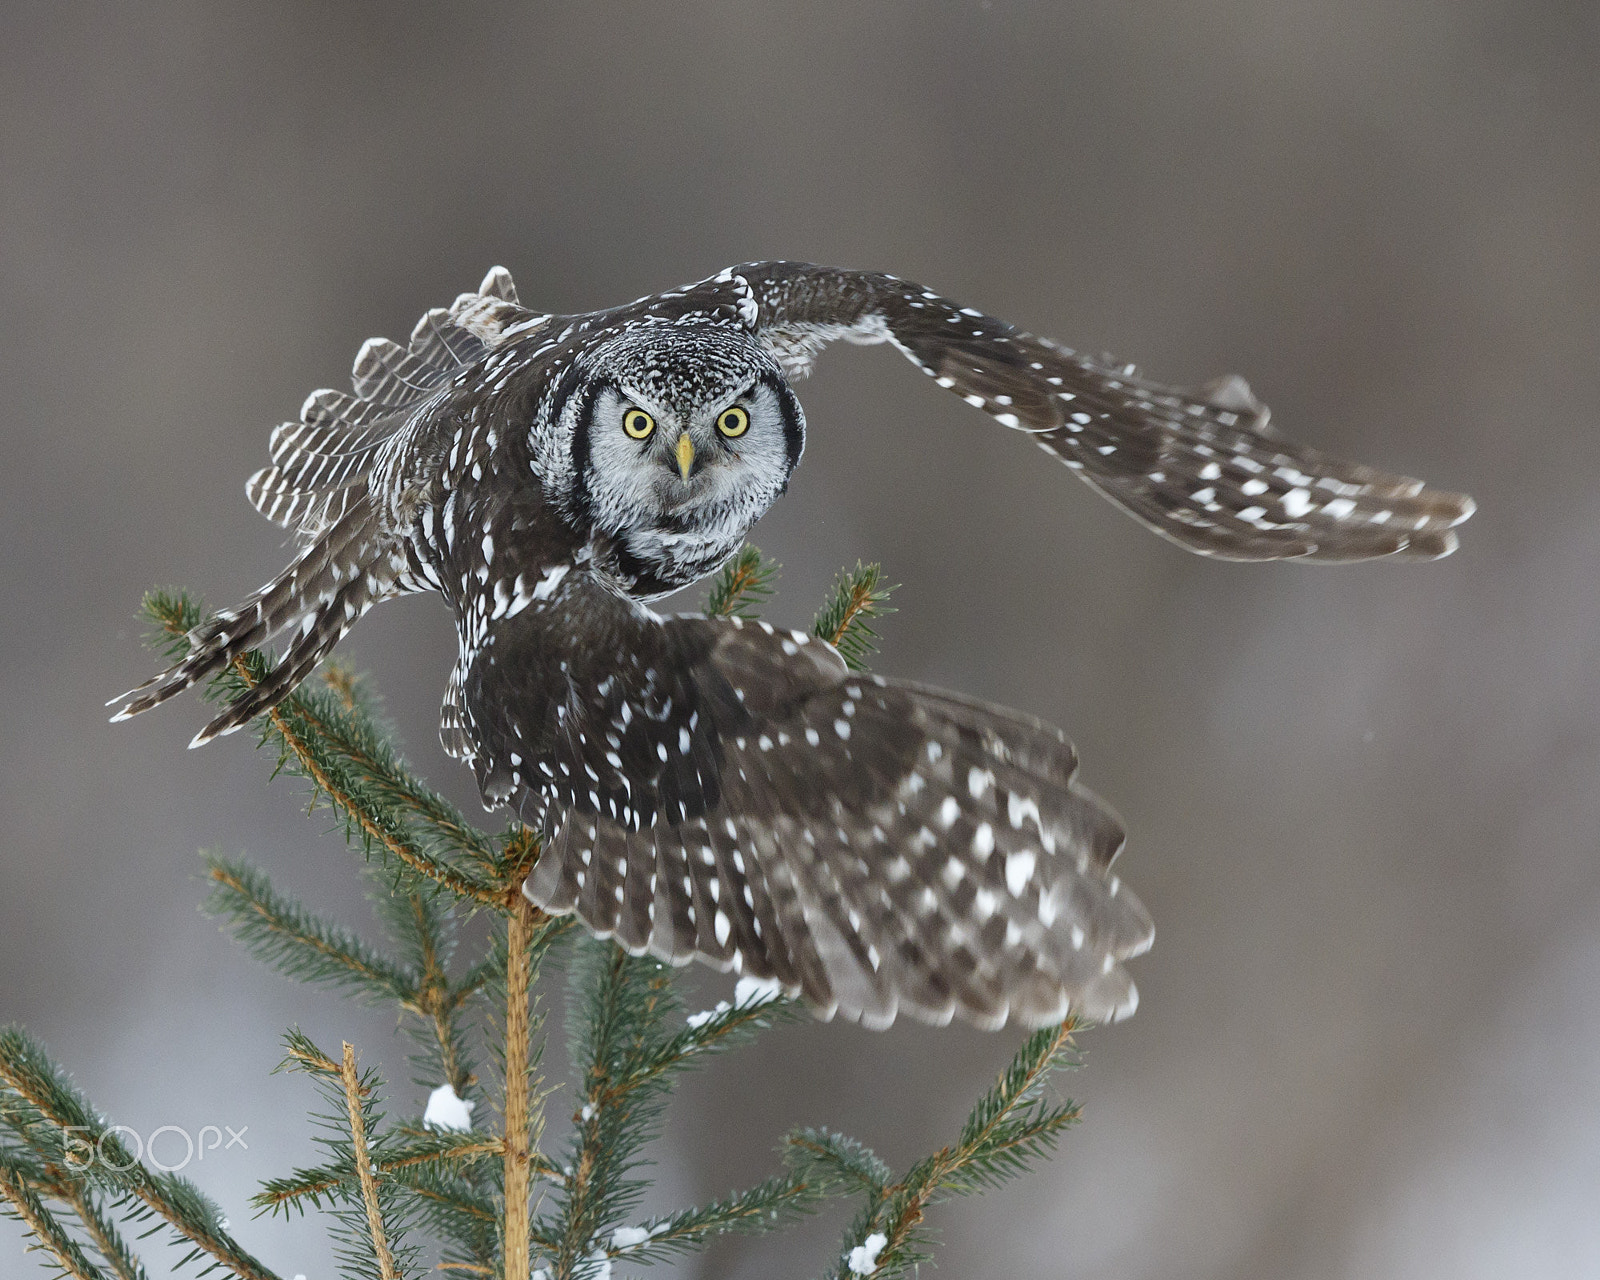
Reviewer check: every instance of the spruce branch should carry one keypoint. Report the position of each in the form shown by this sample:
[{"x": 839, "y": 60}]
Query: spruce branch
[
  {"x": 1010, "y": 1125},
  {"x": 354, "y": 733},
  {"x": 27, "y": 1072},
  {"x": 304, "y": 947},
  {"x": 341, "y": 713},
  {"x": 371, "y": 1214},
  {"x": 706, "y": 1034},
  {"x": 100, "y": 1229},
  {"x": 770, "y": 1205},
  {"x": 484, "y": 972},
  {"x": 463, "y": 1218},
  {"x": 839, "y": 1158},
  {"x": 315, "y": 1186},
  {"x": 513, "y": 862},
  {"x": 363, "y": 1161},
  {"x": 23, "y": 1203},
  {"x": 279, "y": 932},
  {"x": 303, "y": 1055},
  {"x": 747, "y": 579},
  {"x": 425, "y": 923},
  {"x": 376, "y": 827},
  {"x": 300, "y": 729},
  {"x": 859, "y": 596},
  {"x": 347, "y": 687}
]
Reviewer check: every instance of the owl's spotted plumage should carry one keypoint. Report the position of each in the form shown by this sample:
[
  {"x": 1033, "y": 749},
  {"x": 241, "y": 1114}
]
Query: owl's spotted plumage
[{"x": 716, "y": 789}]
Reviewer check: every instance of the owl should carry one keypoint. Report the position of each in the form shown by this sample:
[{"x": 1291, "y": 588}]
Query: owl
[{"x": 725, "y": 790}]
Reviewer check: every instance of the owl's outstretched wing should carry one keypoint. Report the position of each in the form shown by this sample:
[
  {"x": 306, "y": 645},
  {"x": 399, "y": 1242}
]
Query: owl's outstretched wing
[
  {"x": 1198, "y": 466},
  {"x": 351, "y": 558},
  {"x": 320, "y": 462},
  {"x": 728, "y": 792}
]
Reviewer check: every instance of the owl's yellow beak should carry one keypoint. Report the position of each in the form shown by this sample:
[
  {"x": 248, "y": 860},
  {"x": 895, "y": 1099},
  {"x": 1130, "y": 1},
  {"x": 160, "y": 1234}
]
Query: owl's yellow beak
[{"x": 685, "y": 454}]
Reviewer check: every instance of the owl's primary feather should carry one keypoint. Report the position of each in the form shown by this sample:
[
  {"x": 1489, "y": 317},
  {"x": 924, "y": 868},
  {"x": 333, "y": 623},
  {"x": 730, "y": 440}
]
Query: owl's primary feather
[{"x": 721, "y": 790}]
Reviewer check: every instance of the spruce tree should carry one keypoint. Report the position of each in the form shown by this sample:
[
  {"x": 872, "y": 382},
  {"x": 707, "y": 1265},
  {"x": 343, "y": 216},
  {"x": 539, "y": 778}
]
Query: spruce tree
[{"x": 465, "y": 1187}]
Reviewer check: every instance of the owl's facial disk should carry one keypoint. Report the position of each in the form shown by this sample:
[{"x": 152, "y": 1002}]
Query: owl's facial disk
[{"x": 681, "y": 483}]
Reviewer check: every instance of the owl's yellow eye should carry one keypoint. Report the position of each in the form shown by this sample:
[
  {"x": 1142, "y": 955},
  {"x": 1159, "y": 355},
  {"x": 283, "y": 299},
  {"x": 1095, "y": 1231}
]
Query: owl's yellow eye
[
  {"x": 638, "y": 424},
  {"x": 733, "y": 422}
]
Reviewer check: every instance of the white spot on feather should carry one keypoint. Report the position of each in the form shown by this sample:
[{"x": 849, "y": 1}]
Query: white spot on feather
[
  {"x": 549, "y": 581},
  {"x": 1296, "y": 503},
  {"x": 1019, "y": 808},
  {"x": 1019, "y": 870}
]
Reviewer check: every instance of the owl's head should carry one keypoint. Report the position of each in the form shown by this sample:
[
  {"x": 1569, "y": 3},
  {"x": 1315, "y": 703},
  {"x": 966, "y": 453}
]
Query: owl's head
[{"x": 681, "y": 435}]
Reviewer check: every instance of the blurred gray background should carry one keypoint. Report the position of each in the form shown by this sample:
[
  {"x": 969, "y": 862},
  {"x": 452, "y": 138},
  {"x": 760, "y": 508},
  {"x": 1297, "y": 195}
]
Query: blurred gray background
[{"x": 1363, "y": 801}]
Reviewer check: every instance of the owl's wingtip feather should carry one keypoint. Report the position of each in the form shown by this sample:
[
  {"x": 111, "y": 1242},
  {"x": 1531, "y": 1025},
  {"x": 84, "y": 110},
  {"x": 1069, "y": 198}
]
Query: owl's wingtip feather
[
  {"x": 497, "y": 283},
  {"x": 218, "y": 728}
]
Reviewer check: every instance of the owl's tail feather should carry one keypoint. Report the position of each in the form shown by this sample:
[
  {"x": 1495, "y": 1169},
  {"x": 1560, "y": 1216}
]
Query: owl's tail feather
[{"x": 317, "y": 598}]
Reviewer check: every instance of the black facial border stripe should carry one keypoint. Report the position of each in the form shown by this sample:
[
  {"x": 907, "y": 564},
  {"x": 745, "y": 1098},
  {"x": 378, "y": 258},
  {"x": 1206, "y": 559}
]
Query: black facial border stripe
[
  {"x": 582, "y": 425},
  {"x": 794, "y": 420}
]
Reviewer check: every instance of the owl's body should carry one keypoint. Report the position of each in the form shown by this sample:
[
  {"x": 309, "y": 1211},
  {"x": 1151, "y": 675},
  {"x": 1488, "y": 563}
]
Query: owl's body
[{"x": 722, "y": 790}]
